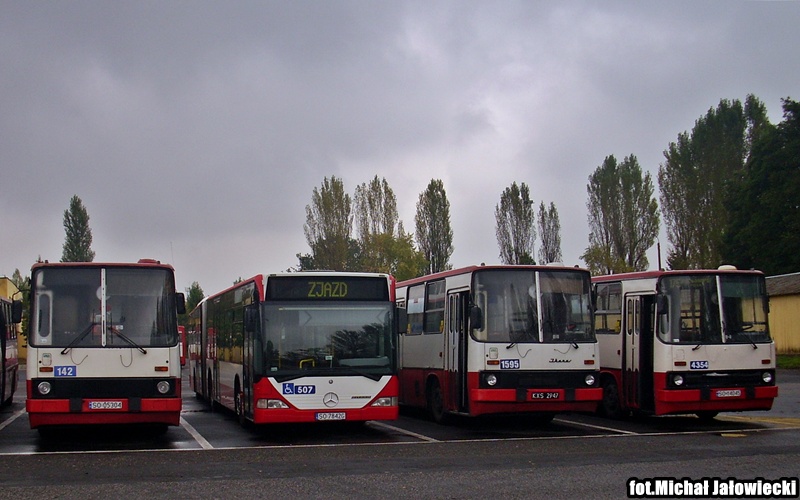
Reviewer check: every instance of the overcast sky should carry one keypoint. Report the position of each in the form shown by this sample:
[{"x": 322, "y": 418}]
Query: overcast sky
[{"x": 195, "y": 132}]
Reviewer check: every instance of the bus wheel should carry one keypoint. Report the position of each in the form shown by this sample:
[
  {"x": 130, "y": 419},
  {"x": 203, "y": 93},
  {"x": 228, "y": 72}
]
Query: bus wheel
[
  {"x": 436, "y": 402},
  {"x": 610, "y": 407},
  {"x": 706, "y": 416},
  {"x": 238, "y": 401}
]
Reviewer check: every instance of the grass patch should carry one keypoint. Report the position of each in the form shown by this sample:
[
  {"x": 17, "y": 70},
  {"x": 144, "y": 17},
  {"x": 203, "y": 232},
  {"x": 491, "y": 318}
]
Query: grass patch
[{"x": 790, "y": 361}]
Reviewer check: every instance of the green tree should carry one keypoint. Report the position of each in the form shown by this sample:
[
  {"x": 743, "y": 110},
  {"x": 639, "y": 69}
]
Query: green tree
[
  {"x": 78, "y": 241},
  {"x": 550, "y": 234},
  {"x": 763, "y": 229},
  {"x": 694, "y": 179},
  {"x": 328, "y": 226},
  {"x": 516, "y": 225},
  {"x": 433, "y": 232},
  {"x": 623, "y": 217},
  {"x": 23, "y": 284},
  {"x": 376, "y": 219},
  {"x": 194, "y": 294}
]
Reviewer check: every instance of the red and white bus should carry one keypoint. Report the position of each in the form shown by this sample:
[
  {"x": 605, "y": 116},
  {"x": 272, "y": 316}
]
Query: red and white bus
[
  {"x": 10, "y": 316},
  {"x": 298, "y": 347},
  {"x": 499, "y": 340},
  {"x": 684, "y": 342},
  {"x": 103, "y": 344}
]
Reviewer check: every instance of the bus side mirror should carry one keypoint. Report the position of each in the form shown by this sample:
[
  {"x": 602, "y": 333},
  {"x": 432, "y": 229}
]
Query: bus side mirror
[
  {"x": 402, "y": 320},
  {"x": 180, "y": 303},
  {"x": 662, "y": 304},
  {"x": 16, "y": 312},
  {"x": 250, "y": 319},
  {"x": 476, "y": 318}
]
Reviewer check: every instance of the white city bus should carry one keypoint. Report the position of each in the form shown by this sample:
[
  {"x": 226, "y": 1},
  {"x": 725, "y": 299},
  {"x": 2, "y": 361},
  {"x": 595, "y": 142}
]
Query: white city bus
[
  {"x": 684, "y": 342},
  {"x": 499, "y": 340},
  {"x": 298, "y": 347},
  {"x": 103, "y": 344}
]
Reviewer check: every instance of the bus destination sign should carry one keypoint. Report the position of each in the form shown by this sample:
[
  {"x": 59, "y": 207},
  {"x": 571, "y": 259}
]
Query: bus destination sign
[{"x": 327, "y": 288}]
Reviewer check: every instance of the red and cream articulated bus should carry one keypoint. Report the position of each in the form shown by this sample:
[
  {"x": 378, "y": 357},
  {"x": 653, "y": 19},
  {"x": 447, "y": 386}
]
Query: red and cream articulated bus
[
  {"x": 684, "y": 342},
  {"x": 10, "y": 316},
  {"x": 298, "y": 347},
  {"x": 103, "y": 344},
  {"x": 499, "y": 340}
]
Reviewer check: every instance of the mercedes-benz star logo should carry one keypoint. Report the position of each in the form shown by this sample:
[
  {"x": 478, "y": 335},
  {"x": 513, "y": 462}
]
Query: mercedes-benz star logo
[{"x": 330, "y": 399}]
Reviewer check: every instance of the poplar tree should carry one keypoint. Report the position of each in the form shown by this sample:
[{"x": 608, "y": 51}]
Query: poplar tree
[
  {"x": 78, "y": 242},
  {"x": 328, "y": 226},
  {"x": 623, "y": 217},
  {"x": 516, "y": 225},
  {"x": 696, "y": 175},
  {"x": 433, "y": 232},
  {"x": 550, "y": 234}
]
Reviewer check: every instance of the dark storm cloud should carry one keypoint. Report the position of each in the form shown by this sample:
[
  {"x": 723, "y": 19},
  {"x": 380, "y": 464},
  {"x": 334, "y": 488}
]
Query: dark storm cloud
[{"x": 195, "y": 132}]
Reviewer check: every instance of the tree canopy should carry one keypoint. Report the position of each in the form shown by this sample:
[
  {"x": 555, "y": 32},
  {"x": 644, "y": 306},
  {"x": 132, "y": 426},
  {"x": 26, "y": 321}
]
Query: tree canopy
[
  {"x": 433, "y": 232},
  {"x": 516, "y": 225},
  {"x": 763, "y": 229},
  {"x": 78, "y": 241},
  {"x": 623, "y": 217},
  {"x": 694, "y": 179}
]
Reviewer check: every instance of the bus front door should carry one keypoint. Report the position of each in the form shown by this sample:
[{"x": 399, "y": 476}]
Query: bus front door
[
  {"x": 630, "y": 375},
  {"x": 456, "y": 352},
  {"x": 639, "y": 338}
]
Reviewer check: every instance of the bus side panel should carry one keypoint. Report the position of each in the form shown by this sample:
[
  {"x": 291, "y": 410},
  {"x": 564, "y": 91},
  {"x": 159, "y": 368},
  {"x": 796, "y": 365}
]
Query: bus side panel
[{"x": 412, "y": 386}]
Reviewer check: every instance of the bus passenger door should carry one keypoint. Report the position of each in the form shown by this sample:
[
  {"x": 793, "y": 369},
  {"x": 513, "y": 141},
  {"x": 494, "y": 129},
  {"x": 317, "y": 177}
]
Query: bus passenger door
[
  {"x": 630, "y": 382},
  {"x": 456, "y": 349},
  {"x": 647, "y": 311}
]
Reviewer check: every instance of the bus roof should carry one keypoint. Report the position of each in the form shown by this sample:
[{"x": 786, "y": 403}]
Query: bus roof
[
  {"x": 142, "y": 263},
  {"x": 470, "y": 269},
  {"x": 679, "y": 272}
]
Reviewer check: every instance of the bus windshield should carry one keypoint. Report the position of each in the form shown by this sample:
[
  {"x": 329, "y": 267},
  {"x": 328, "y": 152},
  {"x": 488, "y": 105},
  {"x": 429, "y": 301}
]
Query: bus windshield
[
  {"x": 69, "y": 303},
  {"x": 713, "y": 309},
  {"x": 520, "y": 305},
  {"x": 334, "y": 337}
]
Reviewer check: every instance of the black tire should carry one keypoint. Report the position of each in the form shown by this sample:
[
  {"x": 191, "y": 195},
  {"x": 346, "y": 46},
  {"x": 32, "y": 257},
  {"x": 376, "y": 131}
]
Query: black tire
[
  {"x": 707, "y": 416},
  {"x": 238, "y": 402},
  {"x": 610, "y": 406},
  {"x": 436, "y": 403}
]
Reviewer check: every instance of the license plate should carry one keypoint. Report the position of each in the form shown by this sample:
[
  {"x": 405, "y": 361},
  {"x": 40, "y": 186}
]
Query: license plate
[
  {"x": 731, "y": 393},
  {"x": 541, "y": 395},
  {"x": 340, "y": 415},
  {"x": 105, "y": 405}
]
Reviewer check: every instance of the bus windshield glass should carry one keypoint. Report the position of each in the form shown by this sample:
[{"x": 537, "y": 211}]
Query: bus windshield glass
[
  {"x": 334, "y": 337},
  {"x": 69, "y": 303},
  {"x": 520, "y": 305},
  {"x": 714, "y": 309}
]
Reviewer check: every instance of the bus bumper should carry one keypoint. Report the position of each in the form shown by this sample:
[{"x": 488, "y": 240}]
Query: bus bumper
[
  {"x": 715, "y": 399},
  {"x": 79, "y": 411},
  {"x": 485, "y": 401}
]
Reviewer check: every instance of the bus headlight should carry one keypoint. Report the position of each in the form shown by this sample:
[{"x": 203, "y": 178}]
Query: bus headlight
[
  {"x": 271, "y": 404},
  {"x": 163, "y": 387},
  {"x": 491, "y": 379},
  {"x": 766, "y": 377},
  {"x": 677, "y": 380},
  {"x": 44, "y": 388},
  {"x": 387, "y": 401},
  {"x": 590, "y": 379}
]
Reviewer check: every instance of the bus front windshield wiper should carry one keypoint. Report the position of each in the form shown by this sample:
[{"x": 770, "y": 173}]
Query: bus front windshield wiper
[
  {"x": 126, "y": 339},
  {"x": 77, "y": 339}
]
